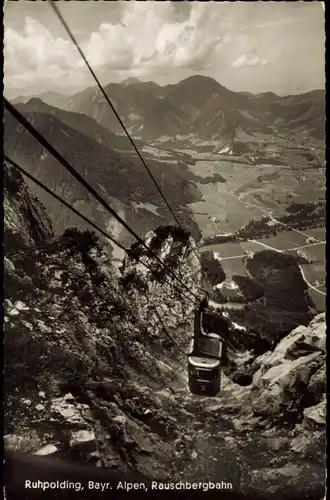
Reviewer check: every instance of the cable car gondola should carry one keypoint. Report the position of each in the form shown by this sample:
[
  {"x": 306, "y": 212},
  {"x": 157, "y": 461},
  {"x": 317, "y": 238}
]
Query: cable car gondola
[{"x": 204, "y": 358}]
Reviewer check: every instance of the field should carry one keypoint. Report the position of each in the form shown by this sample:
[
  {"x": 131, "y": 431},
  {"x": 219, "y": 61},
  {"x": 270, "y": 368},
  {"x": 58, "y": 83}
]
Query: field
[
  {"x": 316, "y": 253},
  {"x": 233, "y": 267},
  {"x": 318, "y": 299},
  {"x": 237, "y": 189},
  {"x": 252, "y": 246},
  {"x": 231, "y": 258},
  {"x": 277, "y": 190},
  {"x": 318, "y": 233},
  {"x": 285, "y": 240},
  {"x": 314, "y": 274},
  {"x": 225, "y": 250},
  {"x": 250, "y": 191},
  {"x": 220, "y": 200}
]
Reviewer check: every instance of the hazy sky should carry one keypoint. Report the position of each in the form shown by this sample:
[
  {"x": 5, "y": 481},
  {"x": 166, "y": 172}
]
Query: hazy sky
[{"x": 252, "y": 46}]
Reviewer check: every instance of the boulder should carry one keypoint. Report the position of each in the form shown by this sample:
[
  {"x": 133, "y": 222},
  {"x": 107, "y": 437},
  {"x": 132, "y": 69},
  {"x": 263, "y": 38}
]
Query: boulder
[
  {"x": 315, "y": 416},
  {"x": 85, "y": 440},
  {"x": 26, "y": 443},
  {"x": 48, "y": 449},
  {"x": 317, "y": 382},
  {"x": 71, "y": 411},
  {"x": 285, "y": 374}
]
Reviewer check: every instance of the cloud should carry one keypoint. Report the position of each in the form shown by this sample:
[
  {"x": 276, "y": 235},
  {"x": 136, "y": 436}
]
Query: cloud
[
  {"x": 148, "y": 39},
  {"x": 35, "y": 55},
  {"x": 248, "y": 60},
  {"x": 271, "y": 24},
  {"x": 164, "y": 41}
]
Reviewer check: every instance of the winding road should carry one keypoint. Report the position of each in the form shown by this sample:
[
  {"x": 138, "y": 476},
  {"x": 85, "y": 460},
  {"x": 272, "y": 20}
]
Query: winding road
[
  {"x": 301, "y": 269},
  {"x": 269, "y": 214},
  {"x": 283, "y": 224}
]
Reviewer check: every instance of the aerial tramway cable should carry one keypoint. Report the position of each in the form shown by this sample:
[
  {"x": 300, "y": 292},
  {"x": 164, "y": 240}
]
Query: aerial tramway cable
[
  {"x": 28, "y": 126},
  {"x": 74, "y": 41},
  {"x": 82, "y": 181},
  {"x": 86, "y": 219},
  {"x": 61, "y": 200}
]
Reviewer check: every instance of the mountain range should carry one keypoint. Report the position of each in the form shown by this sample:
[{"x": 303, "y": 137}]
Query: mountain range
[
  {"x": 197, "y": 106},
  {"x": 83, "y": 129}
]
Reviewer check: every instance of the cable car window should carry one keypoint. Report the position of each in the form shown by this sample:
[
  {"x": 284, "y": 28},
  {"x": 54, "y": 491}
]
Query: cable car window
[{"x": 209, "y": 345}]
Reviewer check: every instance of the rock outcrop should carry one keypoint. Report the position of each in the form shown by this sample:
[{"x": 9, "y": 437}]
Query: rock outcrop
[
  {"x": 26, "y": 221},
  {"x": 95, "y": 370},
  {"x": 282, "y": 381}
]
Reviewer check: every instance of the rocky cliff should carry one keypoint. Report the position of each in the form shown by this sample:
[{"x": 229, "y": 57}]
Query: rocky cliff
[{"x": 95, "y": 369}]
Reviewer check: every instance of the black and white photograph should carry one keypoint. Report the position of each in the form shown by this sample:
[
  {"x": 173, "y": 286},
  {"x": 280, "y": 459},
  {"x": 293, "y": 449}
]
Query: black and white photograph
[{"x": 164, "y": 203}]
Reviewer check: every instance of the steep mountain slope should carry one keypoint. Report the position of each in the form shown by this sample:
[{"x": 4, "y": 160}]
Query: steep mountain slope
[
  {"x": 130, "y": 101},
  {"x": 95, "y": 371},
  {"x": 97, "y": 354},
  {"x": 25, "y": 221},
  {"x": 305, "y": 112},
  {"x": 122, "y": 180},
  {"x": 81, "y": 123},
  {"x": 201, "y": 106}
]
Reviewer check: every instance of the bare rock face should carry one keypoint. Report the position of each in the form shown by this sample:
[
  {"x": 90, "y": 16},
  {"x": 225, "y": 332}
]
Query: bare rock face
[
  {"x": 26, "y": 443},
  {"x": 284, "y": 376},
  {"x": 317, "y": 382},
  {"x": 310, "y": 436},
  {"x": 26, "y": 221},
  {"x": 315, "y": 416},
  {"x": 48, "y": 449},
  {"x": 61, "y": 427},
  {"x": 301, "y": 481}
]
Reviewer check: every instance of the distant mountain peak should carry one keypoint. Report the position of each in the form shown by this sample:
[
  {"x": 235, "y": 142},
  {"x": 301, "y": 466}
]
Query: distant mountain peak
[
  {"x": 35, "y": 100},
  {"x": 131, "y": 81},
  {"x": 200, "y": 83},
  {"x": 35, "y": 104},
  {"x": 199, "y": 79}
]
